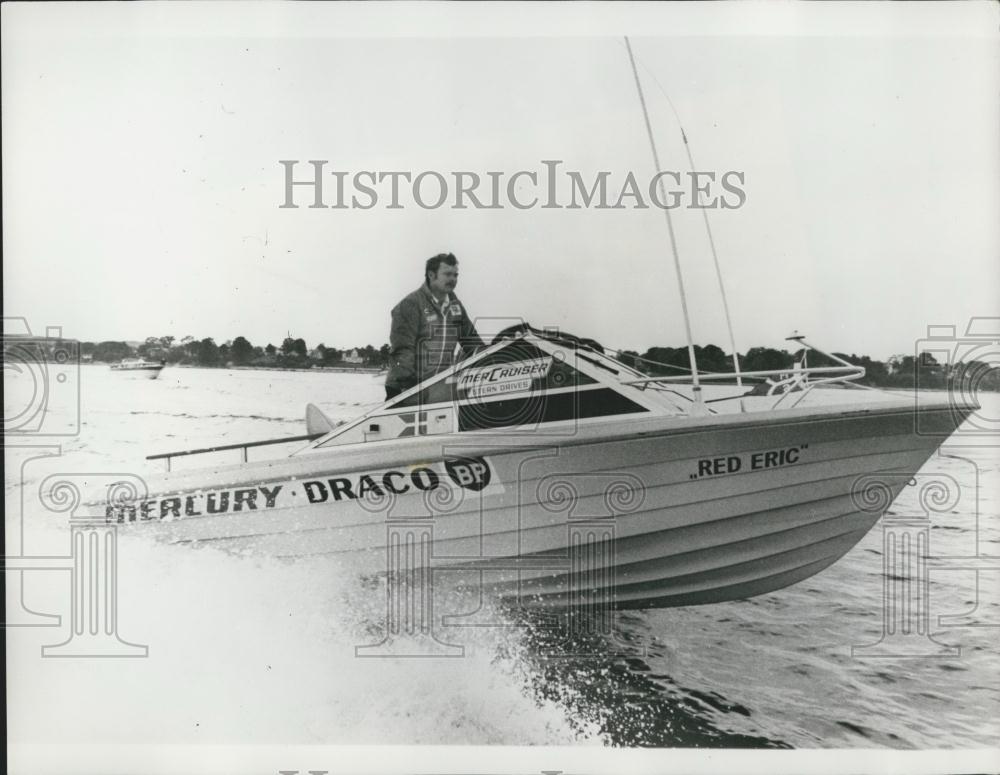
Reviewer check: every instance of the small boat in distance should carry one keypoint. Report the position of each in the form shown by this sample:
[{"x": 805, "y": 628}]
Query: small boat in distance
[{"x": 139, "y": 367}]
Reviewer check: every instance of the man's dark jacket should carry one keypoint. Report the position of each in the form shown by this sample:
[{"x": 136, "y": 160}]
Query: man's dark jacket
[{"x": 424, "y": 337}]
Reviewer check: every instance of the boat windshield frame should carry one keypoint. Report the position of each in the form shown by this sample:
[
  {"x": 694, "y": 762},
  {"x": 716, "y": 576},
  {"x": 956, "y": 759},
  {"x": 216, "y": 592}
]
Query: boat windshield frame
[{"x": 600, "y": 375}]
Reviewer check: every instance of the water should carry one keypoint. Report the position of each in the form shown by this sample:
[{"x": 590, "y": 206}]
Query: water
[{"x": 248, "y": 650}]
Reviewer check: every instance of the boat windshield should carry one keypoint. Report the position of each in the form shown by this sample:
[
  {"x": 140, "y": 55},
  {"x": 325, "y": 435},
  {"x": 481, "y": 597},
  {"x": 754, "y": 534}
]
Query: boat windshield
[
  {"x": 518, "y": 382},
  {"x": 520, "y": 367}
]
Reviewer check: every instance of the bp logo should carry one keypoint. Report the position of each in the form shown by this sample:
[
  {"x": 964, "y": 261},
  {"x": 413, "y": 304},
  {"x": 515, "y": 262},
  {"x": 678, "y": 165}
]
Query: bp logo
[{"x": 472, "y": 473}]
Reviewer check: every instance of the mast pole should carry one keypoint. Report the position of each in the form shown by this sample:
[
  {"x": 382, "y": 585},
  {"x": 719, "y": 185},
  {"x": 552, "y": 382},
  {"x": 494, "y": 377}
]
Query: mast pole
[{"x": 695, "y": 386}]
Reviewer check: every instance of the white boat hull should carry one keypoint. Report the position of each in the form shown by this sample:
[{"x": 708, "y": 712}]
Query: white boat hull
[
  {"x": 140, "y": 372},
  {"x": 671, "y": 511}
]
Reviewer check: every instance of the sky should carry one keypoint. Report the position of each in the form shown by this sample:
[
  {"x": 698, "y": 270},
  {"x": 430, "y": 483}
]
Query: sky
[{"x": 142, "y": 188}]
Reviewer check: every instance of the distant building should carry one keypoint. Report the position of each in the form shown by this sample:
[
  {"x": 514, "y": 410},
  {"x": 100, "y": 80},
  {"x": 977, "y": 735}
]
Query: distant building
[
  {"x": 315, "y": 354},
  {"x": 353, "y": 357}
]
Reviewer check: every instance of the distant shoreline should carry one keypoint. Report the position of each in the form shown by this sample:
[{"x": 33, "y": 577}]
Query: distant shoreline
[
  {"x": 337, "y": 369},
  {"x": 371, "y": 370},
  {"x": 325, "y": 369}
]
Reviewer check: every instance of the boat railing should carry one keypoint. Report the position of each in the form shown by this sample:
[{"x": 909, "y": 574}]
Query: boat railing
[
  {"x": 795, "y": 381},
  {"x": 847, "y": 372},
  {"x": 784, "y": 382},
  {"x": 244, "y": 447}
]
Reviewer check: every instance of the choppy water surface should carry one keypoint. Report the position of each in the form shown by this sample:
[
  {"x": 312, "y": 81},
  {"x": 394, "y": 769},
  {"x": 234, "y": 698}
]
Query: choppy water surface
[{"x": 251, "y": 650}]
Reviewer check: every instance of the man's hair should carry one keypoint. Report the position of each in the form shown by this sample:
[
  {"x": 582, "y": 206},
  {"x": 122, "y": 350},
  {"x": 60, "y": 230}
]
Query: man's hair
[{"x": 434, "y": 263}]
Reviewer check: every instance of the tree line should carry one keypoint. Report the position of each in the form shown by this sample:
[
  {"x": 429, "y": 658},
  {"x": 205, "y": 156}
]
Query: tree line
[
  {"x": 901, "y": 371},
  {"x": 292, "y": 353}
]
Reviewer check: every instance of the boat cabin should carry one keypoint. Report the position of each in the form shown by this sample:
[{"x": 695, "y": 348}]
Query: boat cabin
[{"x": 526, "y": 378}]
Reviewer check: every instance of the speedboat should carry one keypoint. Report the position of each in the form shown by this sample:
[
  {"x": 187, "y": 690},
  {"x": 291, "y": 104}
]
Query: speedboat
[
  {"x": 139, "y": 367},
  {"x": 547, "y": 469},
  {"x": 552, "y": 474}
]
